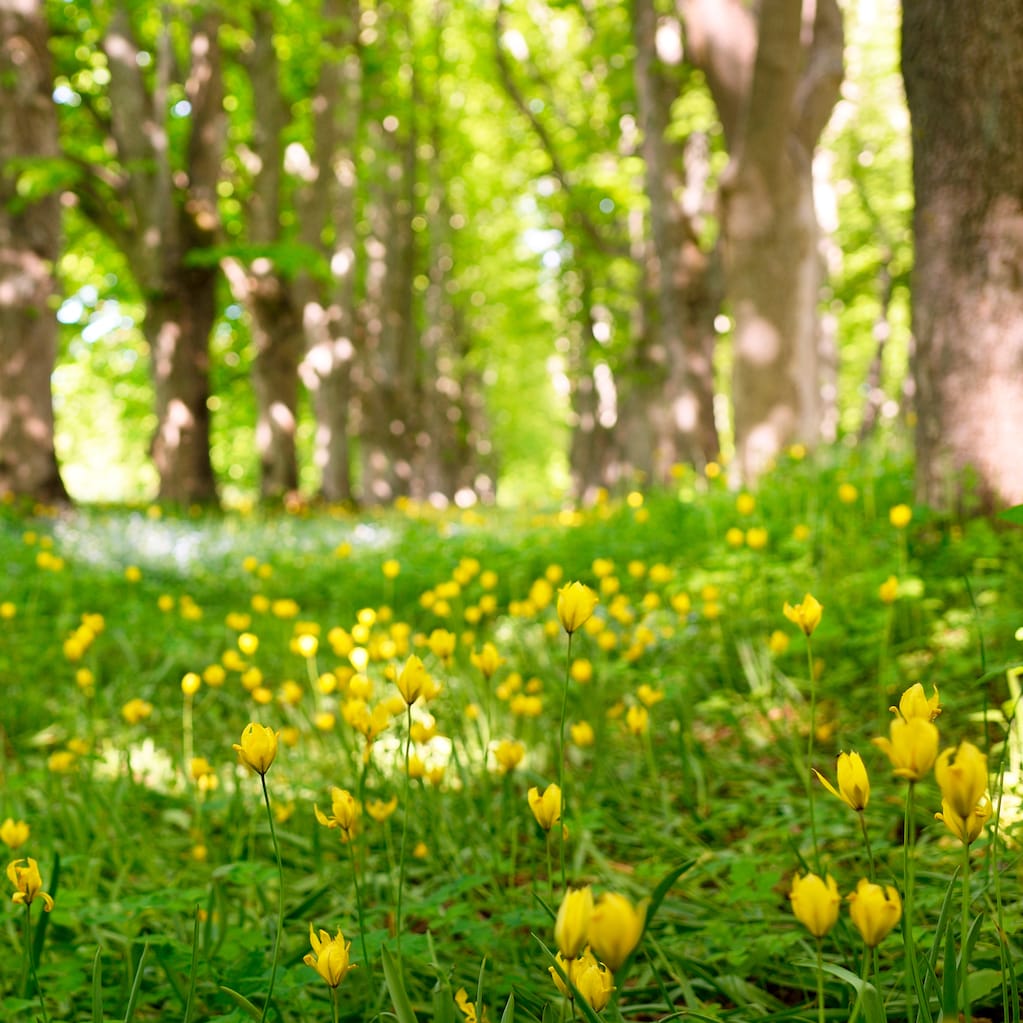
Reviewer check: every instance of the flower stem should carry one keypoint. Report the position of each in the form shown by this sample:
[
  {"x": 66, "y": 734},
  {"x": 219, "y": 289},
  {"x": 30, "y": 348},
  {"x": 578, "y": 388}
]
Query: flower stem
[
  {"x": 913, "y": 984},
  {"x": 964, "y": 943},
  {"x": 358, "y": 909},
  {"x": 280, "y": 900},
  {"x": 561, "y": 762},
  {"x": 334, "y": 1004},
  {"x": 866, "y": 841},
  {"x": 865, "y": 977},
  {"x": 404, "y": 831},
  {"x": 809, "y": 755},
  {"x": 820, "y": 980},
  {"x": 30, "y": 960}
]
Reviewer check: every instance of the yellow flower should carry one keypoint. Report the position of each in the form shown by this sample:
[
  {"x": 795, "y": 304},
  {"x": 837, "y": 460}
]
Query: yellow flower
[
  {"x": 756, "y": 538},
  {"x": 967, "y": 828},
  {"x": 28, "y": 883},
  {"x": 488, "y": 660},
  {"x": 961, "y": 773},
  {"x": 900, "y": 516},
  {"x": 136, "y": 710},
  {"x": 889, "y": 590},
  {"x": 257, "y": 748},
  {"x": 595, "y": 984},
  {"x": 509, "y": 753},
  {"x": 815, "y": 903},
  {"x": 735, "y": 537},
  {"x": 847, "y": 493},
  {"x": 778, "y": 642},
  {"x": 306, "y": 645},
  {"x": 572, "y": 925},
  {"x": 853, "y": 783},
  {"x": 344, "y": 813},
  {"x": 413, "y": 680},
  {"x": 807, "y": 614},
  {"x": 911, "y": 747},
  {"x": 391, "y": 568},
  {"x": 248, "y": 643},
  {"x": 14, "y": 834},
  {"x": 914, "y": 704},
  {"x": 745, "y": 503},
  {"x": 467, "y": 1008},
  {"x": 582, "y": 733},
  {"x": 329, "y": 957},
  {"x": 442, "y": 644},
  {"x": 615, "y": 928},
  {"x": 581, "y": 670},
  {"x": 379, "y": 810},
  {"x": 874, "y": 911},
  {"x": 637, "y": 719},
  {"x": 546, "y": 807},
  {"x": 648, "y": 696},
  {"x": 576, "y": 603},
  {"x": 190, "y": 683}
]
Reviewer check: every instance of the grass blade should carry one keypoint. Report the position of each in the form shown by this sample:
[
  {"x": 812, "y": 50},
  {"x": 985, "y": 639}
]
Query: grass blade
[
  {"x": 396, "y": 987},
  {"x": 242, "y": 1002},
  {"x": 97, "y": 987},
  {"x": 136, "y": 986},
  {"x": 193, "y": 969}
]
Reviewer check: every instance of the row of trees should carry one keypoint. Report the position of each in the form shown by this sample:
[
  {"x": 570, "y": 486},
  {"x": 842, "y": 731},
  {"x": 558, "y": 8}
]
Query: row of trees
[{"x": 360, "y": 176}]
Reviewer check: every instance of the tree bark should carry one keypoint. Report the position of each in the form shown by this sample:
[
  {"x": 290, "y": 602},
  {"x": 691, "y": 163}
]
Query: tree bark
[
  {"x": 963, "y": 68},
  {"x": 29, "y": 246},
  {"x": 773, "y": 115},
  {"x": 681, "y": 357}
]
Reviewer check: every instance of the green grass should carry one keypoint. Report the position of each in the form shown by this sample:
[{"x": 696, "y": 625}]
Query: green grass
[{"x": 167, "y": 892}]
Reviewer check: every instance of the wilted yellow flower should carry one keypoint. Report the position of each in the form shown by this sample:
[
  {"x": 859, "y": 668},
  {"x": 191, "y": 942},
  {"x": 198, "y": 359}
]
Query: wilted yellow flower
[
  {"x": 911, "y": 747},
  {"x": 572, "y": 925},
  {"x": 853, "y": 783},
  {"x": 914, "y": 704},
  {"x": 615, "y": 928},
  {"x": 874, "y": 911},
  {"x": 546, "y": 807},
  {"x": 961, "y": 773},
  {"x": 888, "y": 591},
  {"x": 28, "y": 883},
  {"x": 329, "y": 957},
  {"x": 509, "y": 753},
  {"x": 815, "y": 903},
  {"x": 257, "y": 748},
  {"x": 14, "y": 834},
  {"x": 900, "y": 516},
  {"x": 344, "y": 813},
  {"x": 807, "y": 614},
  {"x": 488, "y": 660},
  {"x": 412, "y": 680},
  {"x": 576, "y": 603},
  {"x": 967, "y": 828},
  {"x": 136, "y": 710}
]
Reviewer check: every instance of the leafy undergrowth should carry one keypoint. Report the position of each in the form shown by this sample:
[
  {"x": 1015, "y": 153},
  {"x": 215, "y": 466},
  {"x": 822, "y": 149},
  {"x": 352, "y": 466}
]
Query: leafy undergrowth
[{"x": 137, "y": 644}]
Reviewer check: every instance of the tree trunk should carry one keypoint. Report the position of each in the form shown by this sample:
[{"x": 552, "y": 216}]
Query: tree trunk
[
  {"x": 773, "y": 112},
  {"x": 29, "y": 246},
  {"x": 963, "y": 67},
  {"x": 681, "y": 358}
]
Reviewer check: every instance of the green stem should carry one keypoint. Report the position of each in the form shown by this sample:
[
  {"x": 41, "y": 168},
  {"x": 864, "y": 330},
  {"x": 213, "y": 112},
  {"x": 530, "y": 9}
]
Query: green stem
[
  {"x": 31, "y": 960},
  {"x": 964, "y": 949},
  {"x": 913, "y": 984},
  {"x": 865, "y": 977},
  {"x": 404, "y": 831},
  {"x": 866, "y": 842},
  {"x": 882, "y": 691},
  {"x": 809, "y": 755},
  {"x": 550, "y": 872},
  {"x": 561, "y": 762},
  {"x": 820, "y": 980},
  {"x": 358, "y": 908},
  {"x": 334, "y": 1004},
  {"x": 280, "y": 901}
]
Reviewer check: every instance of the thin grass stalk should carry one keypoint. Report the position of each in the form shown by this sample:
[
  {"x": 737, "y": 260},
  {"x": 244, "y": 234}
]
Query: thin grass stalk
[
  {"x": 865, "y": 977},
  {"x": 964, "y": 953},
  {"x": 31, "y": 963},
  {"x": 912, "y": 975},
  {"x": 808, "y": 770},
  {"x": 280, "y": 900},
  {"x": 358, "y": 910},
  {"x": 561, "y": 761},
  {"x": 404, "y": 830},
  {"x": 866, "y": 841}
]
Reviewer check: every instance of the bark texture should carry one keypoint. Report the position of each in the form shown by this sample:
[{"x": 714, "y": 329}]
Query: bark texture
[
  {"x": 963, "y": 70},
  {"x": 29, "y": 246}
]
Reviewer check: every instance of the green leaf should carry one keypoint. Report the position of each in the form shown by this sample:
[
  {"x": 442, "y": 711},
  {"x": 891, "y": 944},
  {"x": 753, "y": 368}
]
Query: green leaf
[
  {"x": 193, "y": 970},
  {"x": 870, "y": 1000},
  {"x": 1013, "y": 515},
  {"x": 136, "y": 986},
  {"x": 242, "y": 1002},
  {"x": 396, "y": 987},
  {"x": 508, "y": 1016},
  {"x": 97, "y": 987},
  {"x": 39, "y": 937}
]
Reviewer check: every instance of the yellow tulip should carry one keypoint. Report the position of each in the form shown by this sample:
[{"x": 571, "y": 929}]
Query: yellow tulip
[
  {"x": 488, "y": 660},
  {"x": 572, "y": 925},
  {"x": 509, "y": 753},
  {"x": 615, "y": 928},
  {"x": 329, "y": 957},
  {"x": 28, "y": 883},
  {"x": 379, "y": 810},
  {"x": 889, "y": 590},
  {"x": 966, "y": 828},
  {"x": 546, "y": 807},
  {"x": 961, "y": 773},
  {"x": 874, "y": 911},
  {"x": 915, "y": 704},
  {"x": 14, "y": 834},
  {"x": 413, "y": 680},
  {"x": 815, "y": 903},
  {"x": 595, "y": 984},
  {"x": 257, "y": 748},
  {"x": 344, "y": 813},
  {"x": 900, "y": 516},
  {"x": 853, "y": 782},
  {"x": 806, "y": 614},
  {"x": 576, "y": 603},
  {"x": 911, "y": 748}
]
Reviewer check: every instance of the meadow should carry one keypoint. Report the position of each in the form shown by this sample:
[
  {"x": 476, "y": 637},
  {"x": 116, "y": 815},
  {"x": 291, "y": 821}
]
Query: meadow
[{"x": 281, "y": 766}]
